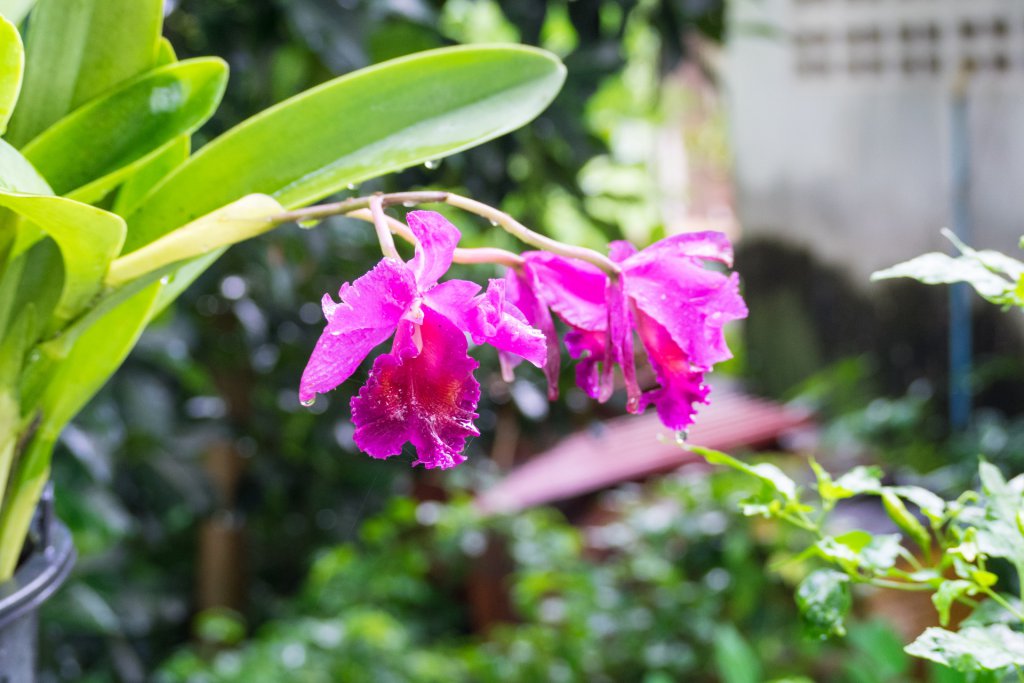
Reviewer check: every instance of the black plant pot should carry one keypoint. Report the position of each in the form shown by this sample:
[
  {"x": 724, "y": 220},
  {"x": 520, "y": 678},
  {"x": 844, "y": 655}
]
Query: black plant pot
[{"x": 42, "y": 570}]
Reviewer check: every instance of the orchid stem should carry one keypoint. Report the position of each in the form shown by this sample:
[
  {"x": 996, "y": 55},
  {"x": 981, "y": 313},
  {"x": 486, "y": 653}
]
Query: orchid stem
[
  {"x": 347, "y": 206},
  {"x": 380, "y": 224},
  {"x": 355, "y": 205},
  {"x": 462, "y": 255},
  {"x": 524, "y": 234}
]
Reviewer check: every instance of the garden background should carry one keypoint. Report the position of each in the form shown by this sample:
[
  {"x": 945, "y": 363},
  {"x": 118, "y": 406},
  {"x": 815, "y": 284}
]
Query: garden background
[{"x": 228, "y": 533}]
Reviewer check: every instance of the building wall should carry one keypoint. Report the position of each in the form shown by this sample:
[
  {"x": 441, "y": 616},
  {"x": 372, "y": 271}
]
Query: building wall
[{"x": 840, "y": 113}]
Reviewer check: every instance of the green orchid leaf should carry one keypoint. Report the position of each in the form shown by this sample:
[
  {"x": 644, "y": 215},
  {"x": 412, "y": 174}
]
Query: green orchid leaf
[
  {"x": 96, "y": 353},
  {"x": 90, "y": 151},
  {"x": 15, "y": 10},
  {"x": 89, "y": 239},
  {"x": 360, "y": 126},
  {"x": 65, "y": 386},
  {"x": 34, "y": 279},
  {"x": 17, "y": 174},
  {"x": 77, "y": 50},
  {"x": 165, "y": 53},
  {"x": 149, "y": 174},
  {"x": 973, "y": 648},
  {"x": 824, "y": 600},
  {"x": 231, "y": 224},
  {"x": 12, "y": 67}
]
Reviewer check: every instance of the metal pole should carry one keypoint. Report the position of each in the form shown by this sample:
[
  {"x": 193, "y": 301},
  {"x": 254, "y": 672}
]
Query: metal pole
[{"x": 960, "y": 341}]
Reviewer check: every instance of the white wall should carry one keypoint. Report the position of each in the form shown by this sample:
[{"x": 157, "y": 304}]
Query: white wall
[{"x": 842, "y": 146}]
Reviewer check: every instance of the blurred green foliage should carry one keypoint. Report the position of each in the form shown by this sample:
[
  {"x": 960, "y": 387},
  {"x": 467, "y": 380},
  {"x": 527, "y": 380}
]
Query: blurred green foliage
[{"x": 667, "y": 588}]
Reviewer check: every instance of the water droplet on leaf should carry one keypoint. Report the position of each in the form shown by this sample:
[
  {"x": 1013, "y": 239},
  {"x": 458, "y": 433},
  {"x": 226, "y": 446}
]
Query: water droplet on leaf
[
  {"x": 351, "y": 186},
  {"x": 308, "y": 224},
  {"x": 432, "y": 164}
]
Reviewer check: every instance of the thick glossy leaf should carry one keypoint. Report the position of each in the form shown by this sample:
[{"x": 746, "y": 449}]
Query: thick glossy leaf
[
  {"x": 15, "y": 10},
  {"x": 91, "y": 150},
  {"x": 12, "y": 66},
  {"x": 359, "y": 126},
  {"x": 92, "y": 359},
  {"x": 231, "y": 224},
  {"x": 17, "y": 174},
  {"x": 149, "y": 174},
  {"x": 88, "y": 238},
  {"x": 77, "y": 50}
]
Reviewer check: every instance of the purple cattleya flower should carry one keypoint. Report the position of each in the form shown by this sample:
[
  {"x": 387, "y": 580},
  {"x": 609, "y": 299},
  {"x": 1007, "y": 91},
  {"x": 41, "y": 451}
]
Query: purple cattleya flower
[
  {"x": 521, "y": 289},
  {"x": 676, "y": 306},
  {"x": 423, "y": 391}
]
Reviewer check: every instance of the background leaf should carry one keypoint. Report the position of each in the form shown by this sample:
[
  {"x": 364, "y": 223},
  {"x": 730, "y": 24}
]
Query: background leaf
[
  {"x": 971, "y": 649},
  {"x": 824, "y": 601}
]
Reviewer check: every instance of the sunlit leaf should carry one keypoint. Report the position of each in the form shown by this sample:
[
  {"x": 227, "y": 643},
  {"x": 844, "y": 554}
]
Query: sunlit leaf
[
  {"x": 76, "y": 50},
  {"x": 12, "y": 67},
  {"x": 368, "y": 123},
  {"x": 974, "y": 648},
  {"x": 88, "y": 238},
  {"x": 91, "y": 150},
  {"x": 824, "y": 600}
]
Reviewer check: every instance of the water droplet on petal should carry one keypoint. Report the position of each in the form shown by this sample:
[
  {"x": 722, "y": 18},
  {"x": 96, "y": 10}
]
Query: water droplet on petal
[
  {"x": 681, "y": 437},
  {"x": 308, "y": 224},
  {"x": 308, "y": 402},
  {"x": 432, "y": 164}
]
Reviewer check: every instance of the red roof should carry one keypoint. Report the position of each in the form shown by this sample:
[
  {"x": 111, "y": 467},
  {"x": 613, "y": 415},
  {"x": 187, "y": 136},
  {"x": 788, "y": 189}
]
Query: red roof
[{"x": 638, "y": 446}]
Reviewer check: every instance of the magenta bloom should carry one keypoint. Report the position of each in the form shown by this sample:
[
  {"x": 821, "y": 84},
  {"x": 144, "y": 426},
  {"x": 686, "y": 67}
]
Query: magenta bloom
[
  {"x": 423, "y": 391},
  {"x": 676, "y": 306},
  {"x": 521, "y": 288}
]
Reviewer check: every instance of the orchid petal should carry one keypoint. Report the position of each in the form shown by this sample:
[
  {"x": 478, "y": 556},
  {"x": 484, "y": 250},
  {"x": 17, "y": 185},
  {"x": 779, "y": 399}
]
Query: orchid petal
[
  {"x": 620, "y": 250},
  {"x": 499, "y": 323},
  {"x": 369, "y": 311},
  {"x": 691, "y": 302},
  {"x": 454, "y": 299},
  {"x": 708, "y": 245},
  {"x": 423, "y": 392},
  {"x": 436, "y": 239},
  {"x": 575, "y": 290},
  {"x": 520, "y": 289},
  {"x": 588, "y": 348},
  {"x": 680, "y": 385},
  {"x": 621, "y": 339}
]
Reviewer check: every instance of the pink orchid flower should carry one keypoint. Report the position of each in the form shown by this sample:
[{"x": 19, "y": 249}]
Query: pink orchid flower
[
  {"x": 521, "y": 288},
  {"x": 423, "y": 391},
  {"x": 677, "y": 307}
]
